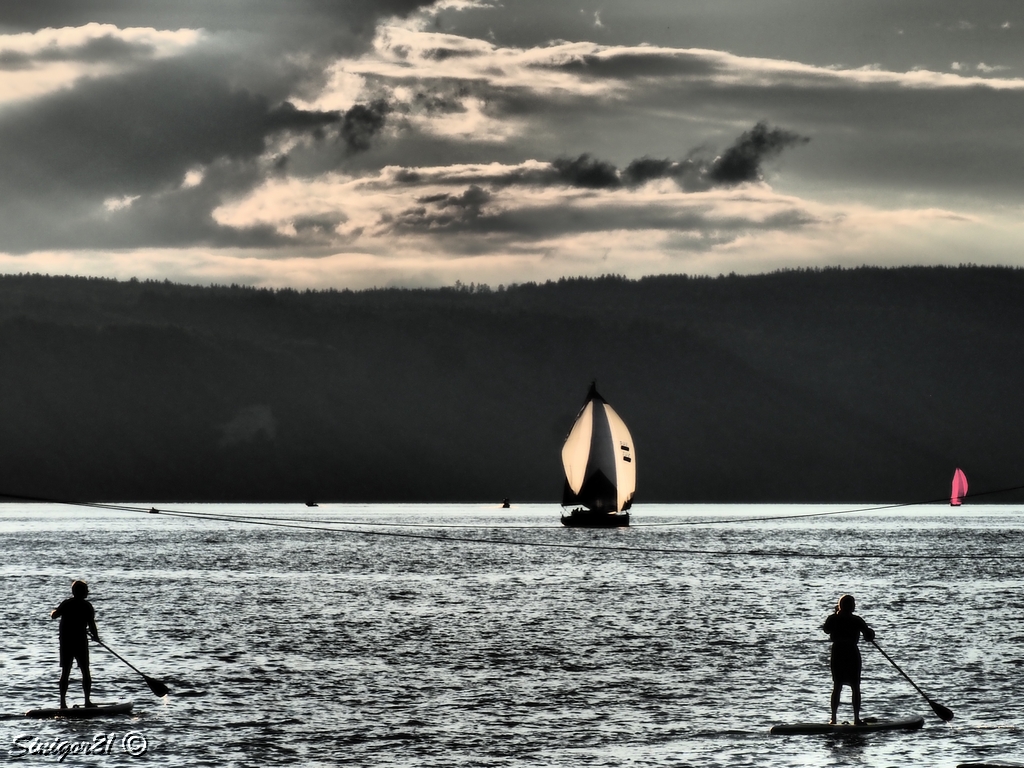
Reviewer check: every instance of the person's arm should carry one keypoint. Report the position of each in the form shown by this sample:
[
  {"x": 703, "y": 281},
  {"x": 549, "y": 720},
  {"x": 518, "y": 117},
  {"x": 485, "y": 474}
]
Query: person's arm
[
  {"x": 868, "y": 632},
  {"x": 57, "y": 611},
  {"x": 92, "y": 625}
]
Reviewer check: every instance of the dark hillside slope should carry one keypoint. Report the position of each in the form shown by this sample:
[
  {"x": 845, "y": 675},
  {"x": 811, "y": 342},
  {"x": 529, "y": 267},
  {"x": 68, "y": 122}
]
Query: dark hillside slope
[{"x": 838, "y": 385}]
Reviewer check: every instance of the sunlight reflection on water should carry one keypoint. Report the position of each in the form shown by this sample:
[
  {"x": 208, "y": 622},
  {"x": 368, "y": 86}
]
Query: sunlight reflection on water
[{"x": 304, "y": 647}]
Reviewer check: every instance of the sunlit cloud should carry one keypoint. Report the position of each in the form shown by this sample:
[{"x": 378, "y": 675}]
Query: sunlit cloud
[
  {"x": 834, "y": 235},
  {"x": 36, "y": 63},
  {"x": 342, "y": 89},
  {"x": 405, "y": 150},
  {"x": 119, "y": 203},
  {"x": 401, "y": 53},
  {"x": 409, "y": 54},
  {"x": 193, "y": 178},
  {"x": 466, "y": 119}
]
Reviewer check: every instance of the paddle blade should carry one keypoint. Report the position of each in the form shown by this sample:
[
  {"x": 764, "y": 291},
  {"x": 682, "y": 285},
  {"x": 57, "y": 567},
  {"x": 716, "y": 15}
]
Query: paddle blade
[
  {"x": 944, "y": 713},
  {"x": 161, "y": 690}
]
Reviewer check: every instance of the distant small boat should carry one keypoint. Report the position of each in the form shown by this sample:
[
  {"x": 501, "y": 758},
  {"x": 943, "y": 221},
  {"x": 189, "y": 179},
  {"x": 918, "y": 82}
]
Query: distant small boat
[
  {"x": 505, "y": 504},
  {"x": 959, "y": 489},
  {"x": 600, "y": 467},
  {"x": 312, "y": 504}
]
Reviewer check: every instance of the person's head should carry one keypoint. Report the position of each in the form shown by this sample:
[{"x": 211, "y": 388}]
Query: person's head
[
  {"x": 80, "y": 589},
  {"x": 846, "y": 604}
]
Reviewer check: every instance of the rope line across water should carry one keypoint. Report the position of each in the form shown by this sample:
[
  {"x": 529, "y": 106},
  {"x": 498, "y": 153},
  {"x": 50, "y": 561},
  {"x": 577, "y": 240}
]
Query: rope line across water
[{"x": 360, "y": 529}]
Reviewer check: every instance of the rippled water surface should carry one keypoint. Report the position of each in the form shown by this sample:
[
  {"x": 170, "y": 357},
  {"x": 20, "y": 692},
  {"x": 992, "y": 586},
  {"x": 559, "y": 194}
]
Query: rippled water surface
[{"x": 381, "y": 636}]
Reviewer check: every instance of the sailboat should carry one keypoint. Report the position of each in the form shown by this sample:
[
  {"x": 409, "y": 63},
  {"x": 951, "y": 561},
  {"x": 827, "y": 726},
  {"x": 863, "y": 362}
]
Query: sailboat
[
  {"x": 959, "y": 489},
  {"x": 600, "y": 467}
]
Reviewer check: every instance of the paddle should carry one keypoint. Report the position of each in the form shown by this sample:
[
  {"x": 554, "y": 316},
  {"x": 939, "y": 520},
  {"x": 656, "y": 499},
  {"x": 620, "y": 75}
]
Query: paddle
[
  {"x": 157, "y": 687},
  {"x": 944, "y": 713}
]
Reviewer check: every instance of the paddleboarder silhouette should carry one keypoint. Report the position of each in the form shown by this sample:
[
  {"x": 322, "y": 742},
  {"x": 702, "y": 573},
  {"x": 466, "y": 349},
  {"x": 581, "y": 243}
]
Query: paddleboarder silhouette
[
  {"x": 77, "y": 617},
  {"x": 845, "y": 629}
]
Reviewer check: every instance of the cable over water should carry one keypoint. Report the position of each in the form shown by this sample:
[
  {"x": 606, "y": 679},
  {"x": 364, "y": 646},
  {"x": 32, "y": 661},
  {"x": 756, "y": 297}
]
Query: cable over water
[{"x": 370, "y": 528}]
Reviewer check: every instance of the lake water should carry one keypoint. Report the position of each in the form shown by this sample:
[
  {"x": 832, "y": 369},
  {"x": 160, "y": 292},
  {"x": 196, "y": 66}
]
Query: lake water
[{"x": 377, "y": 636}]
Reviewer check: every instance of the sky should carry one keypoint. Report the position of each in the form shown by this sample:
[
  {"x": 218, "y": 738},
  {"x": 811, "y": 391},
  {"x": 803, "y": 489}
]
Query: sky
[{"x": 375, "y": 143}]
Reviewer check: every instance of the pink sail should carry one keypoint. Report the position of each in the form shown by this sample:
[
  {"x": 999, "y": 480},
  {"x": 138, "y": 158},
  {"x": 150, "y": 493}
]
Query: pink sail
[{"x": 959, "y": 488}]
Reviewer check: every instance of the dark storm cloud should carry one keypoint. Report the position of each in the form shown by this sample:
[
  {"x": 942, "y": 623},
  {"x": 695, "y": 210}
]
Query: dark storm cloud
[
  {"x": 647, "y": 169},
  {"x": 690, "y": 174},
  {"x": 444, "y": 211},
  {"x": 587, "y": 172},
  {"x": 742, "y": 161},
  {"x": 362, "y": 123},
  {"x": 355, "y": 132}
]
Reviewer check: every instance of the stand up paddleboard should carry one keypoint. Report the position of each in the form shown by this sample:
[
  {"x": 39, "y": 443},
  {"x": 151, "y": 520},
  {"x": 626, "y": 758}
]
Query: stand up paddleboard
[
  {"x": 907, "y": 724},
  {"x": 78, "y": 713}
]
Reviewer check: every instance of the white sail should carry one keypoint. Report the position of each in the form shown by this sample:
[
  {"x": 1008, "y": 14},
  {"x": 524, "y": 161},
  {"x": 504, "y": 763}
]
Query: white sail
[
  {"x": 625, "y": 464},
  {"x": 576, "y": 451},
  {"x": 598, "y": 458}
]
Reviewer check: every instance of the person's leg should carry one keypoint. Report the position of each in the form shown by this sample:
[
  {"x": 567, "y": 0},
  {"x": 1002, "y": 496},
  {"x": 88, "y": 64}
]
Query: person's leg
[
  {"x": 86, "y": 683},
  {"x": 855, "y": 690},
  {"x": 837, "y": 689},
  {"x": 65, "y": 675},
  {"x": 83, "y": 665}
]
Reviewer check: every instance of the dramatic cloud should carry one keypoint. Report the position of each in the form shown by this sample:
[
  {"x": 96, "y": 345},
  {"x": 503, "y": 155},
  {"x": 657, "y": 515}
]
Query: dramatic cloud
[
  {"x": 742, "y": 161},
  {"x": 586, "y": 172},
  {"x": 36, "y": 63},
  {"x": 350, "y": 143},
  {"x": 130, "y": 136},
  {"x": 363, "y": 122}
]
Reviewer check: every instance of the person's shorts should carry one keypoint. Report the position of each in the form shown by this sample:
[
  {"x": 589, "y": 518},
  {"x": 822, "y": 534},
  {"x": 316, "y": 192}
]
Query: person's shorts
[
  {"x": 845, "y": 667},
  {"x": 72, "y": 652}
]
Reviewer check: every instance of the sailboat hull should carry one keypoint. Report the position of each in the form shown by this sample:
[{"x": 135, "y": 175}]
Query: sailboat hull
[{"x": 582, "y": 518}]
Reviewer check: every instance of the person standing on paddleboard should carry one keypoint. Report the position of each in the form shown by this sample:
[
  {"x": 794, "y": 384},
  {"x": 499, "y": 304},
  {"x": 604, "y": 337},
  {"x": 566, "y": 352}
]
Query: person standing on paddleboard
[
  {"x": 77, "y": 616},
  {"x": 845, "y": 629}
]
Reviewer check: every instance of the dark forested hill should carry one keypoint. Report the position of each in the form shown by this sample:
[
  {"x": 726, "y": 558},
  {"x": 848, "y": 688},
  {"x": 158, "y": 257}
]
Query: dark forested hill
[{"x": 836, "y": 385}]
